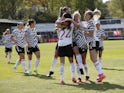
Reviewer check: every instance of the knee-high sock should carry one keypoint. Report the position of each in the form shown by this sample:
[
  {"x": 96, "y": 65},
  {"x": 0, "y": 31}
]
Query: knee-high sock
[
  {"x": 78, "y": 72},
  {"x": 9, "y": 56},
  {"x": 79, "y": 60},
  {"x": 17, "y": 63},
  {"x": 54, "y": 60},
  {"x": 72, "y": 67},
  {"x": 61, "y": 71},
  {"x": 23, "y": 64},
  {"x": 29, "y": 65},
  {"x": 86, "y": 69},
  {"x": 98, "y": 67},
  {"x": 36, "y": 64}
]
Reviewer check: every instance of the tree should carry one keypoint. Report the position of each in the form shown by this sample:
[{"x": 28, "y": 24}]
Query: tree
[
  {"x": 8, "y": 8},
  {"x": 116, "y": 8}
]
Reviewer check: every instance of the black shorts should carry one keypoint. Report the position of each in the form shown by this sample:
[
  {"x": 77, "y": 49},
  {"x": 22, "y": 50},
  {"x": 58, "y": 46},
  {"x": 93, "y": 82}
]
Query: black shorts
[
  {"x": 65, "y": 51},
  {"x": 74, "y": 44},
  {"x": 94, "y": 45},
  {"x": 82, "y": 50},
  {"x": 30, "y": 50},
  {"x": 8, "y": 49},
  {"x": 19, "y": 49},
  {"x": 56, "y": 46},
  {"x": 101, "y": 48}
]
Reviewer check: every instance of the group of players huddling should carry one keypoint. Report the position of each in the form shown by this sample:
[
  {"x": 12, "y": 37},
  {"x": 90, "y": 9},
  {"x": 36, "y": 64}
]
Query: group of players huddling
[{"x": 74, "y": 39}]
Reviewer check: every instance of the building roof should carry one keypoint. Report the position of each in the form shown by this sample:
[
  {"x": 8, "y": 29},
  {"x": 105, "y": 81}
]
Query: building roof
[
  {"x": 45, "y": 27},
  {"x": 8, "y": 21}
]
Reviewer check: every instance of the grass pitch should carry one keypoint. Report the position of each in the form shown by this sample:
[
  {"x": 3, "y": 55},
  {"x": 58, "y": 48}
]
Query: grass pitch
[{"x": 17, "y": 82}]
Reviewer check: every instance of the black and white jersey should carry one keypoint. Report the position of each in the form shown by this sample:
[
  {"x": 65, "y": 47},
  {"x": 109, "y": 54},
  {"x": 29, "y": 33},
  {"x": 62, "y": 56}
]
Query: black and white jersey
[
  {"x": 32, "y": 36},
  {"x": 7, "y": 41},
  {"x": 19, "y": 35},
  {"x": 79, "y": 37},
  {"x": 99, "y": 34},
  {"x": 90, "y": 26}
]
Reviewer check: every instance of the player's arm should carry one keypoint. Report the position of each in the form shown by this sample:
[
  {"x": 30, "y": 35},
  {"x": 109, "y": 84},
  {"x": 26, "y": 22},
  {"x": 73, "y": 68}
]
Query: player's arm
[
  {"x": 26, "y": 39},
  {"x": 103, "y": 36},
  {"x": 75, "y": 23},
  {"x": 98, "y": 26},
  {"x": 13, "y": 39},
  {"x": 89, "y": 33}
]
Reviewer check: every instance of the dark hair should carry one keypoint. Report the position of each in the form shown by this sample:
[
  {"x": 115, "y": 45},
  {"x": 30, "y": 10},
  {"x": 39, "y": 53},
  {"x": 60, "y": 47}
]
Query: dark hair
[
  {"x": 63, "y": 10},
  {"x": 67, "y": 15},
  {"x": 30, "y": 21},
  {"x": 5, "y": 32}
]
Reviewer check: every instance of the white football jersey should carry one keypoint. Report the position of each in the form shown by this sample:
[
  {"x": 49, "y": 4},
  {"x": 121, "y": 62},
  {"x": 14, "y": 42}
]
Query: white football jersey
[
  {"x": 65, "y": 37},
  {"x": 19, "y": 35},
  {"x": 7, "y": 41}
]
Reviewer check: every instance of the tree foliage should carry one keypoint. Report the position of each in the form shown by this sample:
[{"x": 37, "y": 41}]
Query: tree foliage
[
  {"x": 116, "y": 8},
  {"x": 45, "y": 10}
]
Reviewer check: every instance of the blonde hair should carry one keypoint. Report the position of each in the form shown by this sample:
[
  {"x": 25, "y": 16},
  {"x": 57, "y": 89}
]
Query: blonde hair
[
  {"x": 76, "y": 13},
  {"x": 89, "y": 12}
]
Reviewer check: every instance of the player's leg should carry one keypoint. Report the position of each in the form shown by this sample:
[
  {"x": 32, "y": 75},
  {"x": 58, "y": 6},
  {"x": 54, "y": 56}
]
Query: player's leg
[
  {"x": 100, "y": 54},
  {"x": 29, "y": 54},
  {"x": 18, "y": 62},
  {"x": 72, "y": 68},
  {"x": 84, "y": 54},
  {"x": 78, "y": 58},
  {"x": 93, "y": 56},
  {"x": 54, "y": 60},
  {"x": 69, "y": 54},
  {"x": 37, "y": 54},
  {"x": 62, "y": 62},
  {"x": 9, "y": 55},
  {"x": 22, "y": 58},
  {"x": 21, "y": 54},
  {"x": 6, "y": 53}
]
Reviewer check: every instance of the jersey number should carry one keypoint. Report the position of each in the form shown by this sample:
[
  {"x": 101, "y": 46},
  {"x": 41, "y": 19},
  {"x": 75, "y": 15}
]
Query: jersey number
[{"x": 67, "y": 35}]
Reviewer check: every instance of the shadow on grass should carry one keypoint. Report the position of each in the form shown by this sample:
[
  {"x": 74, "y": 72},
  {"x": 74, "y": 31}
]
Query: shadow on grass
[
  {"x": 12, "y": 63},
  {"x": 41, "y": 76},
  {"x": 117, "y": 69},
  {"x": 102, "y": 86}
]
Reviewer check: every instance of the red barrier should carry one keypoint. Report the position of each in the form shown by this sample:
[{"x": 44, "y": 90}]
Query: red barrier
[{"x": 51, "y": 39}]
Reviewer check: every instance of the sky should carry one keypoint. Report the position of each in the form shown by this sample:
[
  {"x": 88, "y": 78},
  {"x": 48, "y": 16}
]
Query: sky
[{"x": 104, "y": 1}]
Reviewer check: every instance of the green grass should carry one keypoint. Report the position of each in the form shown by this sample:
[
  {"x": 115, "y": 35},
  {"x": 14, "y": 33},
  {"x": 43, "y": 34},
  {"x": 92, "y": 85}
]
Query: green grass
[{"x": 113, "y": 67}]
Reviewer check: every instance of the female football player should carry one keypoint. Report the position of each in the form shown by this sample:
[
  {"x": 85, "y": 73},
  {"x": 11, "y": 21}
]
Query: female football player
[
  {"x": 18, "y": 37},
  {"x": 32, "y": 45},
  {"x": 8, "y": 44},
  {"x": 89, "y": 33}
]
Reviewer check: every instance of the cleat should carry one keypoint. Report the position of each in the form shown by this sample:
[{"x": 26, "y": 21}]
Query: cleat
[
  {"x": 87, "y": 78},
  {"x": 79, "y": 80},
  {"x": 26, "y": 72},
  {"x": 50, "y": 74},
  {"x": 100, "y": 77},
  {"x": 36, "y": 72},
  {"x": 9, "y": 62},
  {"x": 14, "y": 68},
  {"x": 81, "y": 71},
  {"x": 62, "y": 82},
  {"x": 74, "y": 80}
]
